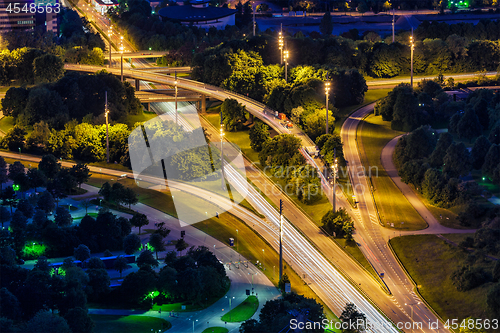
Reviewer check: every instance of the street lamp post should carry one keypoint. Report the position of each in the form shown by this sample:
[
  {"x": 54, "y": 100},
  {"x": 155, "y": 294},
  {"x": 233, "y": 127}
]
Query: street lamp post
[
  {"x": 175, "y": 82},
  {"x": 411, "y": 305},
  {"x": 106, "y": 113},
  {"x": 221, "y": 156},
  {"x": 110, "y": 33},
  {"x": 335, "y": 170},
  {"x": 412, "y": 47},
  {"x": 286, "y": 54},
  {"x": 393, "y": 24},
  {"x": 280, "y": 43},
  {"x": 327, "y": 92},
  {"x": 121, "y": 52},
  {"x": 254, "y": 23}
]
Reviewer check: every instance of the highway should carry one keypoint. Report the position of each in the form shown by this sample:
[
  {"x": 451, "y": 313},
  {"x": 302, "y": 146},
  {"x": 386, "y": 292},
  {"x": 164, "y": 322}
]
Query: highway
[{"x": 369, "y": 234}]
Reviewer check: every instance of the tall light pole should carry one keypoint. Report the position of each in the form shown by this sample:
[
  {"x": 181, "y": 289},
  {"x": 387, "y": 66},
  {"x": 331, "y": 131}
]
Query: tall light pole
[
  {"x": 285, "y": 55},
  {"x": 393, "y": 25},
  {"x": 110, "y": 33},
  {"x": 412, "y": 47},
  {"x": 327, "y": 93},
  {"x": 281, "y": 240},
  {"x": 221, "y": 154},
  {"x": 121, "y": 52},
  {"x": 254, "y": 24},
  {"x": 411, "y": 305},
  {"x": 106, "y": 112},
  {"x": 280, "y": 44},
  {"x": 175, "y": 82},
  {"x": 335, "y": 170}
]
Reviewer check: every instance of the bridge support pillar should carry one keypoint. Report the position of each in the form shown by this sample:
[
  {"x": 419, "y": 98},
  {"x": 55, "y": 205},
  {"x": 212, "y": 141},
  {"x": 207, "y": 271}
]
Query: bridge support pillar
[
  {"x": 203, "y": 103},
  {"x": 137, "y": 84},
  {"x": 251, "y": 118}
]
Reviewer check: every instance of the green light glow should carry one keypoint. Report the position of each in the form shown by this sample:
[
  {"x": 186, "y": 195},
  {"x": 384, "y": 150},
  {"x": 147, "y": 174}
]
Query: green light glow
[
  {"x": 152, "y": 294},
  {"x": 33, "y": 250},
  {"x": 15, "y": 187}
]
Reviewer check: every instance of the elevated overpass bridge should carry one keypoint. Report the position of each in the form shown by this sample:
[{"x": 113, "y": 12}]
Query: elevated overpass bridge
[
  {"x": 205, "y": 91},
  {"x": 168, "y": 95}
]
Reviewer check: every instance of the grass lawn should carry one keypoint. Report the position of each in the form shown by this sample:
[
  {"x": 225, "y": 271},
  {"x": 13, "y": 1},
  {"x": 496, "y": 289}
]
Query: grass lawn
[
  {"x": 6, "y": 123},
  {"x": 215, "y": 329},
  {"x": 128, "y": 324},
  {"x": 243, "y": 311},
  {"x": 430, "y": 261},
  {"x": 239, "y": 138},
  {"x": 353, "y": 249},
  {"x": 392, "y": 204},
  {"x": 130, "y": 120},
  {"x": 370, "y": 96}
]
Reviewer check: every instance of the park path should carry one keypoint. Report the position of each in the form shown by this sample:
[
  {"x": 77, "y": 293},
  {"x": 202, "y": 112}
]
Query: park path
[{"x": 434, "y": 226}]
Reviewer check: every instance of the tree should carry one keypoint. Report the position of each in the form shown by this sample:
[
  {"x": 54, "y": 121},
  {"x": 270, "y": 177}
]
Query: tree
[
  {"x": 496, "y": 271},
  {"x": 338, "y": 223},
  {"x": 9, "y": 196},
  {"x": 494, "y": 136},
  {"x": 131, "y": 244},
  {"x": 469, "y": 126},
  {"x": 95, "y": 263},
  {"x": 467, "y": 277},
  {"x": 156, "y": 241},
  {"x": 49, "y": 166},
  {"x": 120, "y": 265},
  {"x": 457, "y": 161},
  {"x": 63, "y": 217},
  {"x": 66, "y": 180},
  {"x": 233, "y": 115},
  {"x": 48, "y": 68},
  {"x": 432, "y": 185},
  {"x": 479, "y": 151},
  {"x": 81, "y": 173},
  {"x": 139, "y": 220},
  {"x": 82, "y": 252},
  {"x": 15, "y": 101},
  {"x": 46, "y": 202},
  {"x": 26, "y": 208},
  {"x": 9, "y": 305},
  {"x": 326, "y": 24},
  {"x": 362, "y": 7},
  {"x": 86, "y": 203},
  {"x": 146, "y": 259},
  {"x": 4, "y": 215},
  {"x": 45, "y": 321},
  {"x": 137, "y": 285},
  {"x": 258, "y": 134},
  {"x": 14, "y": 139},
  {"x": 436, "y": 158},
  {"x": 161, "y": 230},
  {"x": 79, "y": 320},
  {"x": 106, "y": 191},
  {"x": 3, "y": 173},
  {"x": 412, "y": 172},
  {"x": 473, "y": 328},
  {"x": 181, "y": 245},
  {"x": 98, "y": 282},
  {"x": 15, "y": 169},
  {"x": 491, "y": 162},
  {"x": 23, "y": 182},
  {"x": 37, "y": 178},
  {"x": 129, "y": 197},
  {"x": 353, "y": 317},
  {"x": 279, "y": 151}
]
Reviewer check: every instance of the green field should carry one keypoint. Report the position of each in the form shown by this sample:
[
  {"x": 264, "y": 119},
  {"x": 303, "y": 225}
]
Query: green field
[
  {"x": 243, "y": 311},
  {"x": 128, "y": 324},
  {"x": 6, "y": 123},
  {"x": 370, "y": 96},
  {"x": 215, "y": 329},
  {"x": 430, "y": 261},
  {"x": 393, "y": 207}
]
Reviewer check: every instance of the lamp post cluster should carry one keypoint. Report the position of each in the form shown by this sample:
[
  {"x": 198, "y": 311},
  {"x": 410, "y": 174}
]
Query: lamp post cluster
[
  {"x": 175, "y": 83},
  {"x": 281, "y": 44},
  {"x": 335, "y": 169},
  {"x": 285, "y": 56},
  {"x": 221, "y": 155}
]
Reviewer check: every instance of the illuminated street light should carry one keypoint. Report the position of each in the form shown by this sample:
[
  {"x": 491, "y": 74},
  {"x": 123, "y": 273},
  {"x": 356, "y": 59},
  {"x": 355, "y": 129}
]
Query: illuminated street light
[
  {"x": 286, "y": 64},
  {"x": 221, "y": 154},
  {"x": 121, "y": 51},
  {"x": 110, "y": 33},
  {"x": 281, "y": 43},
  {"x": 175, "y": 83},
  {"x": 411, "y": 305},
  {"x": 327, "y": 93},
  {"x": 106, "y": 112},
  {"x": 412, "y": 47}
]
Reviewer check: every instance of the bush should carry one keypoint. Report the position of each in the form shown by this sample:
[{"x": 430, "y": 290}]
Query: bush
[{"x": 468, "y": 277}]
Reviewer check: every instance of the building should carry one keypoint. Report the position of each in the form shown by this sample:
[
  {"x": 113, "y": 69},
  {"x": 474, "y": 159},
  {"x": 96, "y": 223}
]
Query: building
[
  {"x": 11, "y": 21},
  {"x": 199, "y": 14},
  {"x": 24, "y": 20},
  {"x": 102, "y": 6}
]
